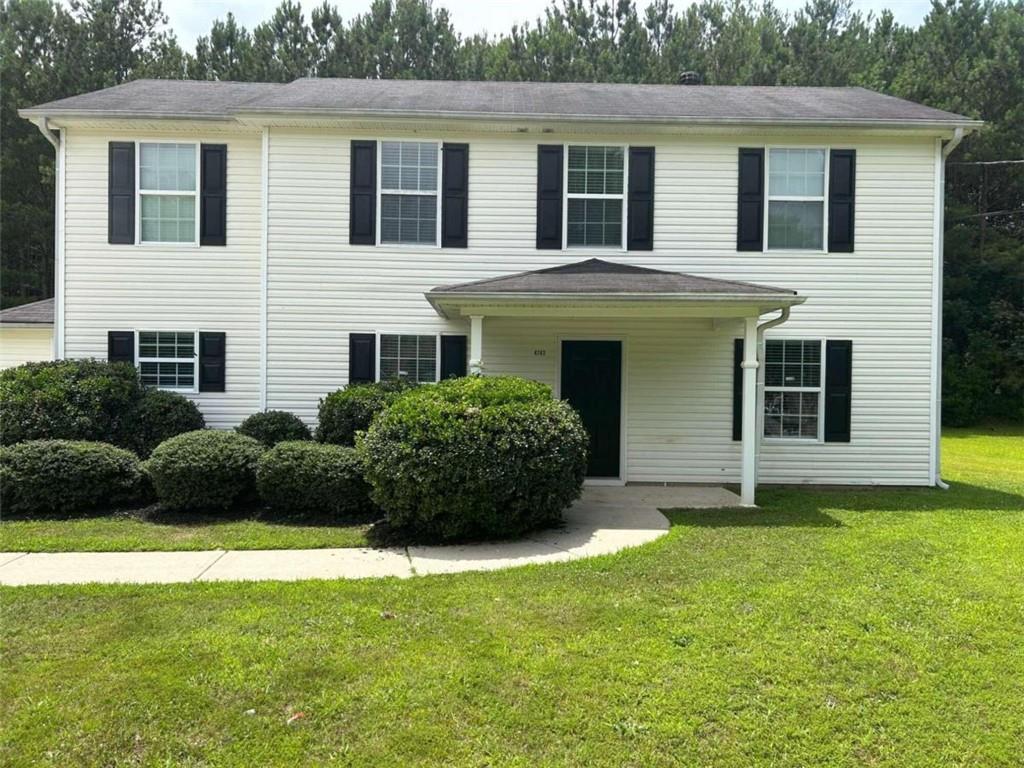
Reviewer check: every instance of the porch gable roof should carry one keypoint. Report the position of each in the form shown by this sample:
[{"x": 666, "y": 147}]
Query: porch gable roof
[{"x": 600, "y": 283}]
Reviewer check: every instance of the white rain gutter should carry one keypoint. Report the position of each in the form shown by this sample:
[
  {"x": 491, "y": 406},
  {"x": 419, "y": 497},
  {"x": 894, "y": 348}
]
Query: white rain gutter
[
  {"x": 937, "y": 276},
  {"x": 56, "y": 138}
]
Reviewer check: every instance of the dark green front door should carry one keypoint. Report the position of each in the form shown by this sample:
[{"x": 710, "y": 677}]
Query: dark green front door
[{"x": 592, "y": 383}]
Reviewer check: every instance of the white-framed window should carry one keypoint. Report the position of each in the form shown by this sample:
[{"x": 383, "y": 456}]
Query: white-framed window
[
  {"x": 408, "y": 203},
  {"x": 793, "y": 376},
  {"x": 167, "y": 188},
  {"x": 595, "y": 196},
  {"x": 795, "y": 216},
  {"x": 168, "y": 359},
  {"x": 408, "y": 356}
]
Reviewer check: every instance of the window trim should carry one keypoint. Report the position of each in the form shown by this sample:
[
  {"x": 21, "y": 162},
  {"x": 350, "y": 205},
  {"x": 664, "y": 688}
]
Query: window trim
[
  {"x": 174, "y": 193},
  {"x": 194, "y": 389},
  {"x": 624, "y": 197},
  {"x": 768, "y": 198},
  {"x": 437, "y": 193},
  {"x": 820, "y": 389},
  {"x": 437, "y": 350}
]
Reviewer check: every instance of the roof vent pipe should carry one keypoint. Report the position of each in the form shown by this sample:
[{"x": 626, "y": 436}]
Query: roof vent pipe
[{"x": 689, "y": 78}]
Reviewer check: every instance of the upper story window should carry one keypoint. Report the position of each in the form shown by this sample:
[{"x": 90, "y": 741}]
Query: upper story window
[
  {"x": 792, "y": 388},
  {"x": 796, "y": 199},
  {"x": 409, "y": 203},
  {"x": 595, "y": 196},
  {"x": 168, "y": 188}
]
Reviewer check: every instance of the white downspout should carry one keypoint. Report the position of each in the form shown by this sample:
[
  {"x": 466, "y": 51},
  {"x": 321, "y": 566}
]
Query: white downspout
[
  {"x": 783, "y": 317},
  {"x": 56, "y": 138},
  {"x": 939, "y": 267}
]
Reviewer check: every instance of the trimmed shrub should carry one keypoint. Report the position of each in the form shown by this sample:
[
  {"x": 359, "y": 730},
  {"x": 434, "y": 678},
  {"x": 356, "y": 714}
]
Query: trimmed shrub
[
  {"x": 273, "y": 427},
  {"x": 68, "y": 399},
  {"x": 313, "y": 477},
  {"x": 66, "y": 476},
  {"x": 160, "y": 415},
  {"x": 206, "y": 469},
  {"x": 474, "y": 458},
  {"x": 352, "y": 409}
]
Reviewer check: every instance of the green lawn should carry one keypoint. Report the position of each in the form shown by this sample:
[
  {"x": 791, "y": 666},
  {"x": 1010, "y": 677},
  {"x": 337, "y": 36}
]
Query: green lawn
[
  {"x": 139, "y": 530},
  {"x": 836, "y": 628}
]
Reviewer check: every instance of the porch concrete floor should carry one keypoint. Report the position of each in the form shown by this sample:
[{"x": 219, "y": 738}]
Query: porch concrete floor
[{"x": 604, "y": 520}]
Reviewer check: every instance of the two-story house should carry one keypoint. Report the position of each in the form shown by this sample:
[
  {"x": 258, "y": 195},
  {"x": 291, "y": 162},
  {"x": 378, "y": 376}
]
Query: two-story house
[{"x": 731, "y": 284}]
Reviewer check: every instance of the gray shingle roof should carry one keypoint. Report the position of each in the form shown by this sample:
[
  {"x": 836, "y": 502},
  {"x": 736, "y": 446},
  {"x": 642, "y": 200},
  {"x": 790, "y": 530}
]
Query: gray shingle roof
[
  {"x": 595, "y": 277},
  {"x": 508, "y": 100},
  {"x": 38, "y": 312},
  {"x": 158, "y": 98}
]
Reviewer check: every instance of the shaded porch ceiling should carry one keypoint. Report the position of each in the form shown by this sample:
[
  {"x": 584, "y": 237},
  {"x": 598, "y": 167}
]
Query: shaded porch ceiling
[{"x": 598, "y": 288}]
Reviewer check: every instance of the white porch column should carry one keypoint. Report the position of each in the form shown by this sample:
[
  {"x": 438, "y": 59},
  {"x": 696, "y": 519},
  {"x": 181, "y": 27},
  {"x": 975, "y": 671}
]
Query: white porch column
[
  {"x": 748, "y": 475},
  {"x": 476, "y": 345}
]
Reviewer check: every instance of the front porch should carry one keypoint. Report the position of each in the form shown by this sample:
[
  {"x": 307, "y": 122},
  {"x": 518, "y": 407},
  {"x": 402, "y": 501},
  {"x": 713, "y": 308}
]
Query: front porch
[{"x": 646, "y": 356}]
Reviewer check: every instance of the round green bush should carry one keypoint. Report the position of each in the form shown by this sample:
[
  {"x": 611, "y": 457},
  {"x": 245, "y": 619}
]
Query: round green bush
[
  {"x": 206, "y": 469},
  {"x": 313, "y": 478},
  {"x": 273, "y": 427},
  {"x": 66, "y": 476},
  {"x": 68, "y": 399},
  {"x": 352, "y": 409},
  {"x": 160, "y": 415},
  {"x": 475, "y": 458}
]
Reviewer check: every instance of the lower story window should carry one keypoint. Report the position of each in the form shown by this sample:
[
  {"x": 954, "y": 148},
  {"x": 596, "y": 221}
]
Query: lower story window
[
  {"x": 409, "y": 357},
  {"x": 167, "y": 359},
  {"x": 792, "y": 389}
]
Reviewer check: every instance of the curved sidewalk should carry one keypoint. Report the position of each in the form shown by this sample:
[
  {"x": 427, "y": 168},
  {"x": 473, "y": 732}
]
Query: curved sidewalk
[{"x": 603, "y": 521}]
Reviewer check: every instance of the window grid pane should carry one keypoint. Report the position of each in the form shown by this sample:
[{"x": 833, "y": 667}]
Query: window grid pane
[
  {"x": 795, "y": 224},
  {"x": 596, "y": 170},
  {"x": 792, "y": 367},
  {"x": 167, "y": 167},
  {"x": 408, "y": 166},
  {"x": 166, "y": 344},
  {"x": 409, "y": 357},
  {"x": 408, "y": 219},
  {"x": 167, "y": 375},
  {"x": 594, "y": 222},
  {"x": 168, "y": 218}
]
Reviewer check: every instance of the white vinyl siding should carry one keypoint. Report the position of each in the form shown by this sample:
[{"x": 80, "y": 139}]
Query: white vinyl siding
[
  {"x": 167, "y": 286},
  {"x": 678, "y": 372},
  {"x": 20, "y": 344}
]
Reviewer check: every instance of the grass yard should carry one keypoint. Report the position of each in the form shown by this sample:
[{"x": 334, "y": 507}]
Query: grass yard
[
  {"x": 150, "y": 529},
  {"x": 876, "y": 627}
]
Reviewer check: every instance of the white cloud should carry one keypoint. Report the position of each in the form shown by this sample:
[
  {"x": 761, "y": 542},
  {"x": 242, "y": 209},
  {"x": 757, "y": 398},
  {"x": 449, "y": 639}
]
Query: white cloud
[{"x": 191, "y": 18}]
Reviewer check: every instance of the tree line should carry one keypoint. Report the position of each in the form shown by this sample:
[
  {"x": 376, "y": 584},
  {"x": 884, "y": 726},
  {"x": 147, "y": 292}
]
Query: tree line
[{"x": 966, "y": 56}]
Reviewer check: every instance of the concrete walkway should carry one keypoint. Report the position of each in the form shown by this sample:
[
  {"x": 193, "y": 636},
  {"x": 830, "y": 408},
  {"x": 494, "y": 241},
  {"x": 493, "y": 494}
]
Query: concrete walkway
[{"x": 604, "y": 520}]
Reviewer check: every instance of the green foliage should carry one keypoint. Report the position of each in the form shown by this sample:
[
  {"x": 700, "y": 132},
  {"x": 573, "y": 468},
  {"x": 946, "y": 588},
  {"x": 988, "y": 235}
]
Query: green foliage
[
  {"x": 350, "y": 410},
  {"x": 315, "y": 478},
  {"x": 160, "y": 415},
  {"x": 204, "y": 470},
  {"x": 66, "y": 476},
  {"x": 273, "y": 427},
  {"x": 68, "y": 399},
  {"x": 90, "y": 400},
  {"x": 475, "y": 458}
]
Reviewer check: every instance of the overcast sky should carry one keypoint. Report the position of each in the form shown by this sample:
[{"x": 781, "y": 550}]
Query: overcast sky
[{"x": 192, "y": 18}]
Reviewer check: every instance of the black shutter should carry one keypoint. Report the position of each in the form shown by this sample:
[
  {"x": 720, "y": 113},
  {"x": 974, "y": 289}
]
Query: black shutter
[
  {"x": 737, "y": 389},
  {"x": 213, "y": 194},
  {"x": 362, "y": 203},
  {"x": 842, "y": 174},
  {"x": 121, "y": 347},
  {"x": 838, "y": 390},
  {"x": 121, "y": 193},
  {"x": 455, "y": 196},
  {"x": 362, "y": 358},
  {"x": 640, "y": 211},
  {"x": 212, "y": 348},
  {"x": 549, "y": 196},
  {"x": 453, "y": 356},
  {"x": 750, "y": 206}
]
